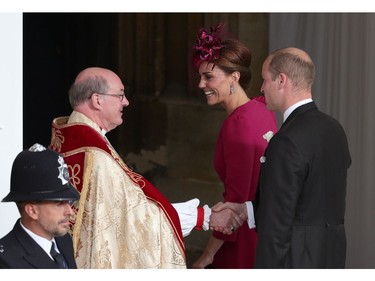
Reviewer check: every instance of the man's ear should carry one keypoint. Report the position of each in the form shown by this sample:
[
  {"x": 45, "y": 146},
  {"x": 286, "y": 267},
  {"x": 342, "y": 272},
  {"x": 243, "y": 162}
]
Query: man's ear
[
  {"x": 31, "y": 210},
  {"x": 282, "y": 79},
  {"x": 95, "y": 100}
]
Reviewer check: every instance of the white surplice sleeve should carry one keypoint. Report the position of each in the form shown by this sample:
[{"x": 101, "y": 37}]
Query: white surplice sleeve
[{"x": 188, "y": 214}]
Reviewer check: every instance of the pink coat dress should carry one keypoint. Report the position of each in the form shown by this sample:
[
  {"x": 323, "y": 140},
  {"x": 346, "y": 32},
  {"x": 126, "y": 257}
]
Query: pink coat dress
[{"x": 240, "y": 145}]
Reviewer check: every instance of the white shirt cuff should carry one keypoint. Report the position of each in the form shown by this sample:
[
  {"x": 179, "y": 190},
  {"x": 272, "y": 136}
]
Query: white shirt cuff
[
  {"x": 207, "y": 214},
  {"x": 250, "y": 214}
]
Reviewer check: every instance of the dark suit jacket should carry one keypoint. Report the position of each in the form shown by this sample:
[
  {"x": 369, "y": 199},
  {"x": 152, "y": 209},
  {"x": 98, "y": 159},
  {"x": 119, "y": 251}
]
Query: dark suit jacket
[
  {"x": 19, "y": 250},
  {"x": 302, "y": 188}
]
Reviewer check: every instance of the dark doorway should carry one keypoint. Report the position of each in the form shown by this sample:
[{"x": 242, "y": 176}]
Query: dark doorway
[{"x": 56, "y": 46}]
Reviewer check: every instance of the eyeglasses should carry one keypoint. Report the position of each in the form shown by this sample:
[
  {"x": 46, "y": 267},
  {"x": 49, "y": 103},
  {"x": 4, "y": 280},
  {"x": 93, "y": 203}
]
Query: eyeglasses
[{"x": 120, "y": 96}]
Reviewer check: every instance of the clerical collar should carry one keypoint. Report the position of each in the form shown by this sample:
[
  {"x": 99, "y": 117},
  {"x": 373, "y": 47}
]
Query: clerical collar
[{"x": 294, "y": 106}]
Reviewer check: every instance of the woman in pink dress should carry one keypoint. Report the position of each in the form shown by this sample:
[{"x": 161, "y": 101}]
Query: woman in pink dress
[{"x": 224, "y": 69}]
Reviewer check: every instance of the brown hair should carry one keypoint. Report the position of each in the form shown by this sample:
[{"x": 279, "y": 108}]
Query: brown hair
[{"x": 229, "y": 55}]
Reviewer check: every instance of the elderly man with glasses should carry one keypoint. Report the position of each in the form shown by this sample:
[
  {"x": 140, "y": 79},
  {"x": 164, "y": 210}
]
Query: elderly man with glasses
[{"x": 122, "y": 220}]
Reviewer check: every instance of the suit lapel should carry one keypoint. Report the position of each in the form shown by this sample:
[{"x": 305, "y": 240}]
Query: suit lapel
[
  {"x": 299, "y": 110},
  {"x": 34, "y": 254}
]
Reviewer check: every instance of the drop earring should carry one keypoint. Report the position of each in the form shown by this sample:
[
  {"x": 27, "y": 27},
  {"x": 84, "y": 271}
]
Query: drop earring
[{"x": 231, "y": 89}]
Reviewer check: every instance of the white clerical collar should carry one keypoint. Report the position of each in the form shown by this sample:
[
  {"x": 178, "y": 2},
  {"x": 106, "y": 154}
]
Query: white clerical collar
[{"x": 294, "y": 106}]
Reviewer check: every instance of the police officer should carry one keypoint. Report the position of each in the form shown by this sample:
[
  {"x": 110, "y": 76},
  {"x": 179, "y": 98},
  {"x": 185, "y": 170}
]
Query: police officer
[{"x": 40, "y": 187}]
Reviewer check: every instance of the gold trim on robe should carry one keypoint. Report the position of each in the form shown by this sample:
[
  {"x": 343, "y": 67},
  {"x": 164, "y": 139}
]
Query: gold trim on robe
[{"x": 116, "y": 224}]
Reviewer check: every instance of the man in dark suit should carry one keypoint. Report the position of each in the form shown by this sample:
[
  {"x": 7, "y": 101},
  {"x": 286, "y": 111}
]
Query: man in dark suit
[
  {"x": 302, "y": 186},
  {"x": 41, "y": 189}
]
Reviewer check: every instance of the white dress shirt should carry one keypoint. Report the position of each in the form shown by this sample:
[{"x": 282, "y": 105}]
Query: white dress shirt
[
  {"x": 44, "y": 243},
  {"x": 293, "y": 107}
]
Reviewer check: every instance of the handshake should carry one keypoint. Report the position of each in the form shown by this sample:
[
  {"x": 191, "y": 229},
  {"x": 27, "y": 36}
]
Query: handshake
[
  {"x": 227, "y": 217},
  {"x": 223, "y": 217}
]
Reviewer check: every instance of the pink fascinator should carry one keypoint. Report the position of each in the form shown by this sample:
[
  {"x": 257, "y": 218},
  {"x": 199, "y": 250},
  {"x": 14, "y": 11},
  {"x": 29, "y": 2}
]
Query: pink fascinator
[{"x": 208, "y": 45}]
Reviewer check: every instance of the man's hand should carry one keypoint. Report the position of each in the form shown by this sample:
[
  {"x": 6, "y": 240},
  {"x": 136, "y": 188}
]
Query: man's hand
[
  {"x": 239, "y": 208},
  {"x": 227, "y": 217}
]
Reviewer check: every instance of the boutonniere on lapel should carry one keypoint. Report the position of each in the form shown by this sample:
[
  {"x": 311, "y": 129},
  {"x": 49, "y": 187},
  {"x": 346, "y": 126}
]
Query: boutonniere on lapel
[{"x": 267, "y": 136}]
